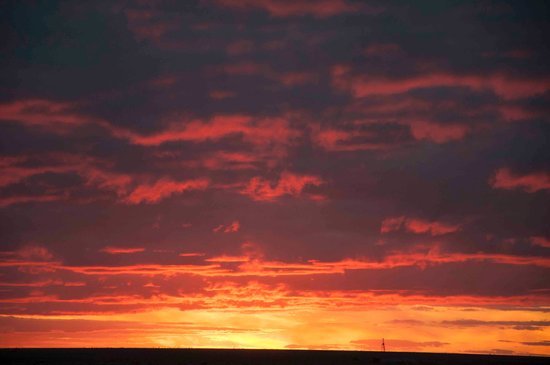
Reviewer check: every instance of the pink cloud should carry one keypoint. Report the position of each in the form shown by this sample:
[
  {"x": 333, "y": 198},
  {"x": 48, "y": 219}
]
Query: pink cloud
[
  {"x": 417, "y": 226},
  {"x": 505, "y": 179},
  {"x": 289, "y": 184},
  {"x": 163, "y": 188}
]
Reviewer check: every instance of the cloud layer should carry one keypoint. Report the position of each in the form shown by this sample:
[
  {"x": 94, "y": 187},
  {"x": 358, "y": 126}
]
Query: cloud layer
[{"x": 273, "y": 173}]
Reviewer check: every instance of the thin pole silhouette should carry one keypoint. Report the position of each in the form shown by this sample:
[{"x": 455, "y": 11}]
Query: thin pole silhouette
[{"x": 383, "y": 346}]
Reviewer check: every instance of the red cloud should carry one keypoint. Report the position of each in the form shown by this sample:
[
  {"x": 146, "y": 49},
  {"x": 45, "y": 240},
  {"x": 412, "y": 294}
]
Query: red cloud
[
  {"x": 263, "y": 131},
  {"x": 121, "y": 250},
  {"x": 126, "y": 187},
  {"x": 343, "y": 140},
  {"x": 296, "y": 78},
  {"x": 505, "y": 179},
  {"x": 240, "y": 47},
  {"x": 6, "y": 201},
  {"x": 417, "y": 226},
  {"x": 229, "y": 161},
  {"x": 286, "y": 8},
  {"x": 503, "y": 86},
  {"x": 233, "y": 227},
  {"x": 221, "y": 94},
  {"x": 439, "y": 133},
  {"x": 163, "y": 188},
  {"x": 55, "y": 116},
  {"x": 540, "y": 241},
  {"x": 37, "y": 253},
  {"x": 382, "y": 49},
  {"x": 288, "y": 184}
]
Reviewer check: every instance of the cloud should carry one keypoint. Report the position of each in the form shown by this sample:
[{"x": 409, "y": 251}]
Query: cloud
[
  {"x": 506, "y": 87},
  {"x": 221, "y": 94},
  {"x": 52, "y": 115},
  {"x": 191, "y": 254},
  {"x": 163, "y": 188},
  {"x": 519, "y": 325},
  {"x": 240, "y": 47},
  {"x": 33, "y": 252},
  {"x": 289, "y": 184},
  {"x": 531, "y": 183},
  {"x": 332, "y": 139},
  {"x": 230, "y": 228},
  {"x": 540, "y": 241},
  {"x": 286, "y": 8},
  {"x": 437, "y": 132},
  {"x": 20, "y": 199},
  {"x": 536, "y": 343},
  {"x": 417, "y": 226},
  {"x": 222, "y": 160},
  {"x": 115, "y": 250},
  {"x": 262, "y": 131},
  {"x": 397, "y": 344}
]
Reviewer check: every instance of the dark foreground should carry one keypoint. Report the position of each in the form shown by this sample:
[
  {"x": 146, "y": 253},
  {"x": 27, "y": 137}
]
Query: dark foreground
[{"x": 245, "y": 357}]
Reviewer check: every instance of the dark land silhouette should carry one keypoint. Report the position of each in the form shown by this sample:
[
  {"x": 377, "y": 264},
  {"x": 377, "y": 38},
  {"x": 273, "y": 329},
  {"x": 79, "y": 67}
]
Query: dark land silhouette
[{"x": 247, "y": 357}]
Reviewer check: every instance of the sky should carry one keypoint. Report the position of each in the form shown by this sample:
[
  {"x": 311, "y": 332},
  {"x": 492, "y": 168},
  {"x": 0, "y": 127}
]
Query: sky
[{"x": 275, "y": 174}]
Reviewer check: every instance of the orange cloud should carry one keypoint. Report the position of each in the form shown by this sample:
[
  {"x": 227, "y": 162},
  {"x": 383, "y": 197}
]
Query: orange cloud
[
  {"x": 531, "y": 183},
  {"x": 288, "y": 184},
  {"x": 398, "y": 344},
  {"x": 191, "y": 254},
  {"x": 417, "y": 226},
  {"x": 163, "y": 188},
  {"x": 285, "y": 8},
  {"x": 121, "y": 250}
]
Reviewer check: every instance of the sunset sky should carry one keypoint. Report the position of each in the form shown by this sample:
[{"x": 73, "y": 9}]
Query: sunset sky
[{"x": 276, "y": 174}]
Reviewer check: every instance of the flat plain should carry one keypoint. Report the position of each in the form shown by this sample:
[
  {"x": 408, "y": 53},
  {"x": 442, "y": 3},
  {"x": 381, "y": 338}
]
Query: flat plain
[{"x": 112, "y": 356}]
